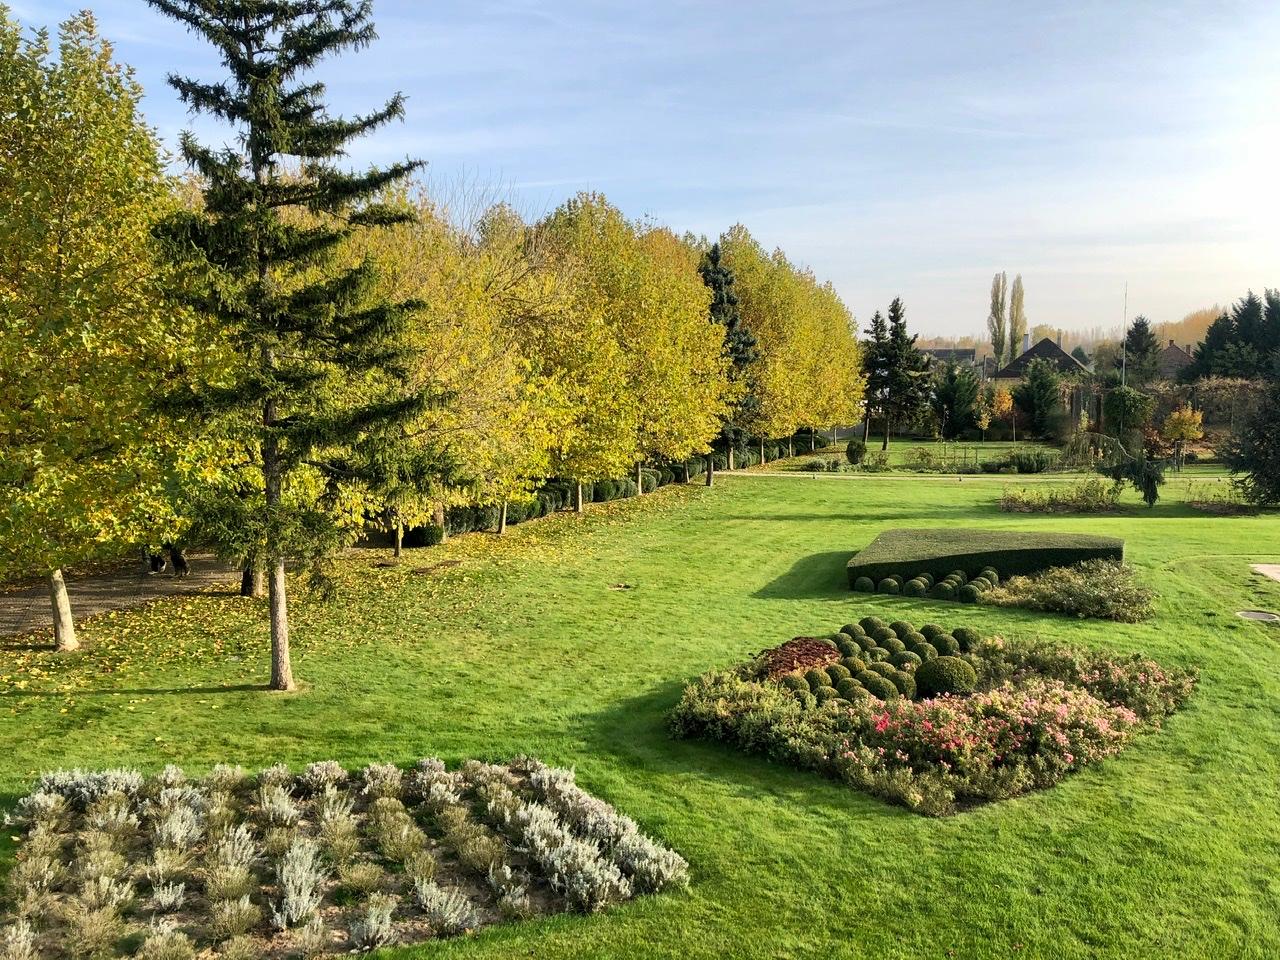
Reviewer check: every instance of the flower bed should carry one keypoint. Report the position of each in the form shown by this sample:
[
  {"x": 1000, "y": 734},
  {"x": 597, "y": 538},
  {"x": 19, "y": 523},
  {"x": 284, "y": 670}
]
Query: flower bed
[
  {"x": 932, "y": 718},
  {"x": 113, "y": 863}
]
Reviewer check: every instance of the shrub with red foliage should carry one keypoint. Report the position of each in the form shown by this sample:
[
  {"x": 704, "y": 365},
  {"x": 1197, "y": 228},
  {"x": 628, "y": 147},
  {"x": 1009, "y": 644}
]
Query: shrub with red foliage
[{"x": 802, "y": 653}]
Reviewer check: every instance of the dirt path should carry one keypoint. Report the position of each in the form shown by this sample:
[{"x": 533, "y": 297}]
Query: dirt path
[{"x": 26, "y": 610}]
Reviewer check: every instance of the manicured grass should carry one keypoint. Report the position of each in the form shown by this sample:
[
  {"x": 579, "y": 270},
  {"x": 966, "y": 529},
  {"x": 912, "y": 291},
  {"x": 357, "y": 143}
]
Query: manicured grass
[{"x": 527, "y": 646}]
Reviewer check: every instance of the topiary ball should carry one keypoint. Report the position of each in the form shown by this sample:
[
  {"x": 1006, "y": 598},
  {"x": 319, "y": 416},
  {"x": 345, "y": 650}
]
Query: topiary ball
[
  {"x": 943, "y": 591},
  {"x": 854, "y": 665},
  {"x": 853, "y": 630},
  {"x": 905, "y": 683},
  {"x": 991, "y": 574},
  {"x": 893, "y": 646},
  {"x": 823, "y": 694},
  {"x": 914, "y": 588},
  {"x": 925, "y": 651},
  {"x": 945, "y": 675},
  {"x": 805, "y": 699},
  {"x": 967, "y": 637},
  {"x": 881, "y": 689},
  {"x": 793, "y": 681},
  {"x": 866, "y": 643},
  {"x": 882, "y": 667},
  {"x": 838, "y": 672},
  {"x": 870, "y": 623},
  {"x": 896, "y": 578},
  {"x": 911, "y": 638},
  {"x": 828, "y": 641},
  {"x": 817, "y": 678},
  {"x": 958, "y": 575},
  {"x": 888, "y": 585},
  {"x": 969, "y": 593},
  {"x": 881, "y": 634},
  {"x": 906, "y": 660},
  {"x": 900, "y": 628},
  {"x": 876, "y": 655},
  {"x": 946, "y": 645},
  {"x": 848, "y": 648},
  {"x": 927, "y": 577},
  {"x": 931, "y": 630},
  {"x": 850, "y": 689},
  {"x": 864, "y": 585}
]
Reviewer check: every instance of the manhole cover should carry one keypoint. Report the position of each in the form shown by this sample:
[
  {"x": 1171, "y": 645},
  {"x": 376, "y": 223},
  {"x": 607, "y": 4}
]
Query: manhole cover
[{"x": 1263, "y": 615}]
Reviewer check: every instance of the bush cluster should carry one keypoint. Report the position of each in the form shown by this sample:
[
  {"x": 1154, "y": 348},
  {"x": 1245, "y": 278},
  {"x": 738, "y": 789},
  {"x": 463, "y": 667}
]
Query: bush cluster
[{"x": 1102, "y": 589}]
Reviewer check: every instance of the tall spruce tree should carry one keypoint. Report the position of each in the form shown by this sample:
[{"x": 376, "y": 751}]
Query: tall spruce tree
[
  {"x": 1141, "y": 352},
  {"x": 740, "y": 348},
  {"x": 317, "y": 349},
  {"x": 875, "y": 368},
  {"x": 907, "y": 373}
]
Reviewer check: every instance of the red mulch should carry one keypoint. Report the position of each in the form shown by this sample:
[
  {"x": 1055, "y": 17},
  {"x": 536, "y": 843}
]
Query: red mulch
[{"x": 802, "y": 653}]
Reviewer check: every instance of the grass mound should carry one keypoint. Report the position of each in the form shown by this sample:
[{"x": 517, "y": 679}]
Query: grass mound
[{"x": 941, "y": 550}]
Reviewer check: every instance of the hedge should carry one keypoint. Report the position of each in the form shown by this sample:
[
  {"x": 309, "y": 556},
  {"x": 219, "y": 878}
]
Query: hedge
[{"x": 939, "y": 551}]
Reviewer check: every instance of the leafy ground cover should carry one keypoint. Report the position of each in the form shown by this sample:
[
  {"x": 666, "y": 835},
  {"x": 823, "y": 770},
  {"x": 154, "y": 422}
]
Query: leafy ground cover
[{"x": 525, "y": 646}]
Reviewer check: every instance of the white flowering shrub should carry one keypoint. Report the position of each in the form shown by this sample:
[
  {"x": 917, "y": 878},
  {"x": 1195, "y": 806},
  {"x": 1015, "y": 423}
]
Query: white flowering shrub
[
  {"x": 299, "y": 875},
  {"x": 322, "y": 775},
  {"x": 447, "y": 911},
  {"x": 374, "y": 928}
]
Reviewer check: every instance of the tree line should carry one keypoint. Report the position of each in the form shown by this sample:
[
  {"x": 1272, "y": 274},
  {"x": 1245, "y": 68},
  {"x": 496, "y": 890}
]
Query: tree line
[{"x": 273, "y": 352}]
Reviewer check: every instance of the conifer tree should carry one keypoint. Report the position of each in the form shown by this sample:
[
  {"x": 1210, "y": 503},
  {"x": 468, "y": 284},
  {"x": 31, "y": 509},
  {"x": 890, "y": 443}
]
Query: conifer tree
[
  {"x": 875, "y": 359},
  {"x": 1141, "y": 350},
  {"x": 739, "y": 348},
  {"x": 312, "y": 338},
  {"x": 907, "y": 384}
]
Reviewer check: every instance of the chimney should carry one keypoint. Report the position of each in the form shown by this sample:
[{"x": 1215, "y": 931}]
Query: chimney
[
  {"x": 1026, "y": 342},
  {"x": 1171, "y": 343}
]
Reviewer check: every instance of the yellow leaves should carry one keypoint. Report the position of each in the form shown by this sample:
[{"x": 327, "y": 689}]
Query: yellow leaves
[{"x": 1183, "y": 424}]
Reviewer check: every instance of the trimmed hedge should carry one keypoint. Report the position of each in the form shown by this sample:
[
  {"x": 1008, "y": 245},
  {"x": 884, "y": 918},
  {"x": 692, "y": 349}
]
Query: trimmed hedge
[{"x": 940, "y": 551}]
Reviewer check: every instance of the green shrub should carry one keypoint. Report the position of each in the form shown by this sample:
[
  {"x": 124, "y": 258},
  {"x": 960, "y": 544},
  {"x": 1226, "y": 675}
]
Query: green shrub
[
  {"x": 906, "y": 660},
  {"x": 864, "y": 585},
  {"x": 914, "y": 588},
  {"x": 838, "y": 672},
  {"x": 850, "y": 689},
  {"x": 931, "y": 630},
  {"x": 925, "y": 651},
  {"x": 927, "y": 577},
  {"x": 831, "y": 641},
  {"x": 793, "y": 681},
  {"x": 865, "y": 675},
  {"x": 966, "y": 637},
  {"x": 900, "y": 628},
  {"x": 817, "y": 678},
  {"x": 946, "y": 645},
  {"x": 881, "y": 634},
  {"x": 871, "y": 624},
  {"x": 959, "y": 576},
  {"x": 969, "y": 593},
  {"x": 941, "y": 550},
  {"x": 991, "y": 574},
  {"x": 854, "y": 665},
  {"x": 855, "y": 451},
  {"x": 888, "y": 585},
  {"x": 911, "y": 638},
  {"x": 847, "y": 647},
  {"x": 877, "y": 654},
  {"x": 866, "y": 643},
  {"x": 905, "y": 683},
  {"x": 881, "y": 689},
  {"x": 943, "y": 590},
  {"x": 992, "y": 466},
  {"x": 1031, "y": 461},
  {"x": 945, "y": 675},
  {"x": 823, "y": 694},
  {"x": 882, "y": 667},
  {"x": 853, "y": 630},
  {"x": 894, "y": 645},
  {"x": 1105, "y": 589}
]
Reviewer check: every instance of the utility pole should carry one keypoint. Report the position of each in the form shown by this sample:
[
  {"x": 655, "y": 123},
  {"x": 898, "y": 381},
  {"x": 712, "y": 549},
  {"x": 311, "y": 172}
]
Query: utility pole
[{"x": 1124, "y": 337}]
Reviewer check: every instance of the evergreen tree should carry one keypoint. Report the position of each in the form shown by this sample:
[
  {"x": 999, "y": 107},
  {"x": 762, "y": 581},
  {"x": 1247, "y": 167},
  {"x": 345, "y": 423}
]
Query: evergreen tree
[
  {"x": 875, "y": 360},
  {"x": 315, "y": 346},
  {"x": 907, "y": 383},
  {"x": 1253, "y": 451},
  {"x": 1205, "y": 358},
  {"x": 1248, "y": 317},
  {"x": 955, "y": 400},
  {"x": 739, "y": 347},
  {"x": 1141, "y": 351},
  {"x": 1081, "y": 354},
  {"x": 1039, "y": 396}
]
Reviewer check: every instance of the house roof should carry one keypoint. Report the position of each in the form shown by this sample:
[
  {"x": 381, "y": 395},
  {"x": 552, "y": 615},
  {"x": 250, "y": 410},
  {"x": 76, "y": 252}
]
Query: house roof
[
  {"x": 1046, "y": 349},
  {"x": 1171, "y": 360}
]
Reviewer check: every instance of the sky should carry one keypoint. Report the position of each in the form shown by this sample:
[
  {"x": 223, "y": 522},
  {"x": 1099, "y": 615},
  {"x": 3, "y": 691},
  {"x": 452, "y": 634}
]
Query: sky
[{"x": 901, "y": 148}]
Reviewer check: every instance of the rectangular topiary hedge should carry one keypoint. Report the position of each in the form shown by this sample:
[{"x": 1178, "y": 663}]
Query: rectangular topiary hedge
[{"x": 939, "y": 550}]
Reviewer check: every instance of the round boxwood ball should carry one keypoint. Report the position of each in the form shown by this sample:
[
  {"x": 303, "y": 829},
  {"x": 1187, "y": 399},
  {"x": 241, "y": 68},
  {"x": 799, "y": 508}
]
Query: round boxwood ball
[
  {"x": 896, "y": 578},
  {"x": 823, "y": 694},
  {"x": 881, "y": 634},
  {"x": 969, "y": 593},
  {"x": 893, "y": 646},
  {"x": 905, "y": 683},
  {"x": 945, "y": 675},
  {"x": 943, "y": 591},
  {"x": 863, "y": 676},
  {"x": 793, "y": 681},
  {"x": 853, "y": 630},
  {"x": 931, "y": 630},
  {"x": 850, "y": 689},
  {"x": 838, "y": 672},
  {"x": 958, "y": 575},
  {"x": 901, "y": 627},
  {"x": 946, "y": 645},
  {"x": 991, "y": 574},
  {"x": 805, "y": 699},
  {"x": 870, "y": 624},
  {"x": 926, "y": 577},
  {"x": 911, "y": 638},
  {"x": 828, "y": 641},
  {"x": 876, "y": 655},
  {"x": 881, "y": 689},
  {"x": 866, "y": 643},
  {"x": 925, "y": 651},
  {"x": 914, "y": 588},
  {"x": 967, "y": 637},
  {"x": 839, "y": 703},
  {"x": 888, "y": 585},
  {"x": 864, "y": 585},
  {"x": 817, "y": 678},
  {"x": 882, "y": 667},
  {"x": 854, "y": 665},
  {"x": 848, "y": 648},
  {"x": 906, "y": 660}
]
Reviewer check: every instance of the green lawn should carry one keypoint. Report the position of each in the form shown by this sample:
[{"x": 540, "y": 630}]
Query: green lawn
[{"x": 1168, "y": 850}]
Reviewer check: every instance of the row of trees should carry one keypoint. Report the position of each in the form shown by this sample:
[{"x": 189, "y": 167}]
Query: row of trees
[
  {"x": 1007, "y": 318},
  {"x": 276, "y": 352}
]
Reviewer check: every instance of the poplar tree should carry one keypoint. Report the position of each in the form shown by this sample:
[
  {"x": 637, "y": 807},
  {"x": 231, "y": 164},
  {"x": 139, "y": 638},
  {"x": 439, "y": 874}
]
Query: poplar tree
[
  {"x": 311, "y": 335},
  {"x": 1017, "y": 318},
  {"x": 996, "y": 318}
]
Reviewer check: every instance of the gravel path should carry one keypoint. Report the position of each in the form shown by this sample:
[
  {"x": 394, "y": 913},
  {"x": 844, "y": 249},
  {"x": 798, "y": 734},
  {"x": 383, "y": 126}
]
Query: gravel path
[{"x": 25, "y": 610}]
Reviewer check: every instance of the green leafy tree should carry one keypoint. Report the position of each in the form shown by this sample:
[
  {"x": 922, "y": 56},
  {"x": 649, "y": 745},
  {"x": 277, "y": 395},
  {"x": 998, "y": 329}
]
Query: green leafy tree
[
  {"x": 1039, "y": 396},
  {"x": 87, "y": 332},
  {"x": 1080, "y": 354},
  {"x": 1125, "y": 412},
  {"x": 315, "y": 347},
  {"x": 955, "y": 400},
  {"x": 1017, "y": 317},
  {"x": 997, "y": 325}
]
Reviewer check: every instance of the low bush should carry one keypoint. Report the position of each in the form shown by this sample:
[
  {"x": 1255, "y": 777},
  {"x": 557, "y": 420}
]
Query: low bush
[
  {"x": 856, "y": 451},
  {"x": 945, "y": 675},
  {"x": 864, "y": 585},
  {"x": 1103, "y": 589},
  {"x": 1094, "y": 495}
]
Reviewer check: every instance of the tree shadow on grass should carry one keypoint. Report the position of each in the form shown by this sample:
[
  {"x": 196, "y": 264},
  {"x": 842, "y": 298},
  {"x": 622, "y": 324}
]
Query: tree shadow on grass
[
  {"x": 145, "y": 691},
  {"x": 817, "y": 576},
  {"x": 633, "y": 732}
]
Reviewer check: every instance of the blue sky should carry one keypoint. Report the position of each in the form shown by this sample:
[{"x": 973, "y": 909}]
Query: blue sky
[{"x": 908, "y": 148}]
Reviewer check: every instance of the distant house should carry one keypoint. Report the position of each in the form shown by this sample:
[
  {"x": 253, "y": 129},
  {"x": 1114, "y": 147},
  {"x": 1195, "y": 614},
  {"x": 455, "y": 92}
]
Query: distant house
[
  {"x": 958, "y": 355},
  {"x": 1046, "y": 349},
  {"x": 1171, "y": 360}
]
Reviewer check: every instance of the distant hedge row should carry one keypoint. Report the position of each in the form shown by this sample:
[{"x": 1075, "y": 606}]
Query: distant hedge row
[{"x": 940, "y": 551}]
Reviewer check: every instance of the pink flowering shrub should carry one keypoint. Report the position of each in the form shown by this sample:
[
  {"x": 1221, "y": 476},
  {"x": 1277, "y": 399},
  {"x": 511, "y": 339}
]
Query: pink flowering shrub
[{"x": 1041, "y": 712}]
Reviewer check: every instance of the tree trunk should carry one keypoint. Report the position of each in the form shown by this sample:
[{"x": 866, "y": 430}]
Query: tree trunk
[
  {"x": 762, "y": 460},
  {"x": 866, "y": 428},
  {"x": 252, "y": 582},
  {"x": 685, "y": 466},
  {"x": 64, "y": 628},
  {"x": 281, "y": 667},
  {"x": 885, "y": 445},
  {"x": 577, "y": 497},
  {"x": 813, "y": 441},
  {"x": 730, "y": 456},
  {"x": 639, "y": 480},
  {"x": 399, "y": 547},
  {"x": 711, "y": 468},
  {"x": 438, "y": 518},
  {"x": 791, "y": 446},
  {"x": 502, "y": 518}
]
